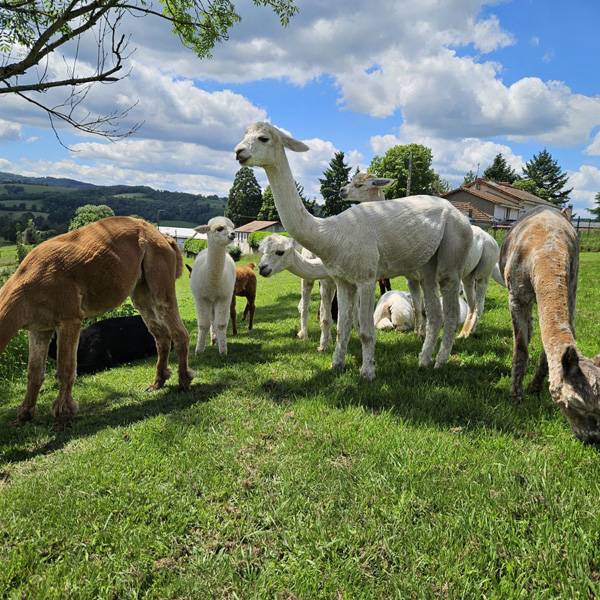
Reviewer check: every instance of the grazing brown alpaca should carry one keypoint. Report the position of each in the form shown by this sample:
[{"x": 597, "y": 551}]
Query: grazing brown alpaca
[
  {"x": 384, "y": 286},
  {"x": 85, "y": 273},
  {"x": 539, "y": 261},
  {"x": 245, "y": 286}
]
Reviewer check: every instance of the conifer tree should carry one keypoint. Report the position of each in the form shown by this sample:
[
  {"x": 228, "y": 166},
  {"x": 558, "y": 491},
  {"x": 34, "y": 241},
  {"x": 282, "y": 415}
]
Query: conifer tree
[
  {"x": 245, "y": 198},
  {"x": 469, "y": 177},
  {"x": 500, "y": 170},
  {"x": 596, "y": 210},
  {"x": 548, "y": 177},
  {"x": 335, "y": 177},
  {"x": 268, "y": 210}
]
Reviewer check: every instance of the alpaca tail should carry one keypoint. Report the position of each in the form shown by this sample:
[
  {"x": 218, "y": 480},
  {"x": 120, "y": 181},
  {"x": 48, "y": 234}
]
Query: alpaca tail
[
  {"x": 497, "y": 276},
  {"x": 251, "y": 266},
  {"x": 10, "y": 323},
  {"x": 178, "y": 257}
]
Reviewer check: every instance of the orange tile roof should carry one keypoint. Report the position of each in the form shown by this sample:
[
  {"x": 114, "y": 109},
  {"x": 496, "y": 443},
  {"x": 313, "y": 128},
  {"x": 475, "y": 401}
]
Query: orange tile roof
[
  {"x": 255, "y": 226},
  {"x": 472, "y": 212}
]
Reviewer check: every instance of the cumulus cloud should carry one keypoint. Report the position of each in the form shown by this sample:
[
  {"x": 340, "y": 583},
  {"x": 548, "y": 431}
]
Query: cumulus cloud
[
  {"x": 9, "y": 131},
  {"x": 594, "y": 148},
  {"x": 586, "y": 184}
]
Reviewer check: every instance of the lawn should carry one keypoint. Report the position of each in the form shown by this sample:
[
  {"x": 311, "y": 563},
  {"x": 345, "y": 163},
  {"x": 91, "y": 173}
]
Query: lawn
[{"x": 277, "y": 478}]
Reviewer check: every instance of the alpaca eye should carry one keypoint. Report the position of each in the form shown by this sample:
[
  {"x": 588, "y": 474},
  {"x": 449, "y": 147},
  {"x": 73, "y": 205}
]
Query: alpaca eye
[
  {"x": 263, "y": 139},
  {"x": 279, "y": 252},
  {"x": 358, "y": 185},
  {"x": 220, "y": 228}
]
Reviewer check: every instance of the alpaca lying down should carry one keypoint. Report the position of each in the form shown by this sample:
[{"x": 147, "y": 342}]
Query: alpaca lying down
[{"x": 395, "y": 310}]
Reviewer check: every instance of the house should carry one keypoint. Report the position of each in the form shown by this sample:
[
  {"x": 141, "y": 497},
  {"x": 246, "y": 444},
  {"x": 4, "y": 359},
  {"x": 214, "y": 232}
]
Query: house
[
  {"x": 492, "y": 203},
  {"x": 181, "y": 234},
  {"x": 243, "y": 232}
]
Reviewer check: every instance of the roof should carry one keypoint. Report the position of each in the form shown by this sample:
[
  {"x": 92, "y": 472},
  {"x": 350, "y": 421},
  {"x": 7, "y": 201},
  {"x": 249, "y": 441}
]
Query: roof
[
  {"x": 494, "y": 198},
  {"x": 181, "y": 232},
  {"x": 518, "y": 193},
  {"x": 474, "y": 213},
  {"x": 256, "y": 226}
]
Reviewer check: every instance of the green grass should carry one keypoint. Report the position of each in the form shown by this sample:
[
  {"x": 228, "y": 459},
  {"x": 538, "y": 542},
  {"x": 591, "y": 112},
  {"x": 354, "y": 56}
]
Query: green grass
[
  {"x": 8, "y": 255},
  {"x": 276, "y": 478}
]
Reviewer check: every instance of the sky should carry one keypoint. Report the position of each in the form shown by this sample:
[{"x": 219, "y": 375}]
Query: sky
[{"x": 468, "y": 78}]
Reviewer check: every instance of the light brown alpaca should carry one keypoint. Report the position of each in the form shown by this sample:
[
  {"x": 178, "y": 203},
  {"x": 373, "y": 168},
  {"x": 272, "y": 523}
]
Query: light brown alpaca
[
  {"x": 85, "y": 273},
  {"x": 245, "y": 286},
  {"x": 539, "y": 260}
]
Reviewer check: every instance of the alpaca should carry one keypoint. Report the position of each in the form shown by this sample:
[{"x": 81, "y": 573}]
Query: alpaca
[
  {"x": 245, "y": 287},
  {"x": 540, "y": 261},
  {"x": 369, "y": 241},
  {"x": 279, "y": 254},
  {"x": 481, "y": 263},
  {"x": 212, "y": 281},
  {"x": 395, "y": 310},
  {"x": 111, "y": 342},
  {"x": 82, "y": 274}
]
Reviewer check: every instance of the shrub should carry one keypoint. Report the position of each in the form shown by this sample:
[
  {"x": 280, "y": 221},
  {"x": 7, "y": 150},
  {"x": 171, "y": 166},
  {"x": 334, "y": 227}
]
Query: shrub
[
  {"x": 194, "y": 246},
  {"x": 235, "y": 252},
  {"x": 254, "y": 239}
]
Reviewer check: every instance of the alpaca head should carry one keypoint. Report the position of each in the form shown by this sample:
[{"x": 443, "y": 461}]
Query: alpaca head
[
  {"x": 578, "y": 394},
  {"x": 276, "y": 253},
  {"x": 263, "y": 144},
  {"x": 219, "y": 231},
  {"x": 364, "y": 187}
]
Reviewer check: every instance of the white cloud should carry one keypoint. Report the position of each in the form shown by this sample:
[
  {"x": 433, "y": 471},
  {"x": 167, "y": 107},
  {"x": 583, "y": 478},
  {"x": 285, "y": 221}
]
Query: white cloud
[
  {"x": 594, "y": 148},
  {"x": 9, "y": 131},
  {"x": 586, "y": 184}
]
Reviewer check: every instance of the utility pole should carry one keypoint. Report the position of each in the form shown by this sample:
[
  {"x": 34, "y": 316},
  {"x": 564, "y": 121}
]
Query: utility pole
[{"x": 409, "y": 178}]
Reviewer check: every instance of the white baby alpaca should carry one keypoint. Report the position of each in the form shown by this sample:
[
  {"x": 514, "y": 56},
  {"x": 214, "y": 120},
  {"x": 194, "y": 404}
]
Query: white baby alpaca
[{"x": 212, "y": 282}]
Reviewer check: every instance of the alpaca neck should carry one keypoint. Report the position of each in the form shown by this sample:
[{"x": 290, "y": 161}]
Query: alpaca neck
[
  {"x": 12, "y": 314},
  {"x": 552, "y": 296},
  {"x": 375, "y": 195},
  {"x": 310, "y": 269},
  {"x": 215, "y": 263},
  {"x": 299, "y": 223}
]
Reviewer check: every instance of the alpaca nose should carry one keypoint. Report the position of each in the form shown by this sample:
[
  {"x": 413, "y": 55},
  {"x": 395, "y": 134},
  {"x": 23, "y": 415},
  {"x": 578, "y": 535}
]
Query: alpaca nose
[
  {"x": 343, "y": 192},
  {"x": 232, "y": 236},
  {"x": 263, "y": 270}
]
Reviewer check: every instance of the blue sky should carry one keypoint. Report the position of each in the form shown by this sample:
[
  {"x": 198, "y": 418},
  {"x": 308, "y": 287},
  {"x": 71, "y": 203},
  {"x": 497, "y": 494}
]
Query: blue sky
[{"x": 468, "y": 78}]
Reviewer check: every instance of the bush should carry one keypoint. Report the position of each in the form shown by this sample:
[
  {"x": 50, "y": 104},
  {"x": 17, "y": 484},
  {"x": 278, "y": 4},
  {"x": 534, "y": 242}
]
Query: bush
[
  {"x": 194, "y": 246},
  {"x": 235, "y": 252},
  {"x": 254, "y": 239}
]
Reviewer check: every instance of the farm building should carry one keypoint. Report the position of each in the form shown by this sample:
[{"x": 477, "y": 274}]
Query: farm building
[
  {"x": 488, "y": 202},
  {"x": 243, "y": 232},
  {"x": 181, "y": 234}
]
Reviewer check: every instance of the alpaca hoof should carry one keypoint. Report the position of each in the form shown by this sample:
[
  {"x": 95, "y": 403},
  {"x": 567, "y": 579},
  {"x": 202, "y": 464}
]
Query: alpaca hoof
[
  {"x": 424, "y": 361},
  {"x": 199, "y": 350},
  {"x": 24, "y": 414},
  {"x": 337, "y": 366},
  {"x": 302, "y": 335},
  {"x": 367, "y": 373},
  {"x": 64, "y": 415},
  {"x": 439, "y": 364},
  {"x": 185, "y": 380},
  {"x": 516, "y": 397},
  {"x": 321, "y": 348}
]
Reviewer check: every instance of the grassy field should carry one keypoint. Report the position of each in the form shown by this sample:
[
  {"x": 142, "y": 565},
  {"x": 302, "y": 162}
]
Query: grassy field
[
  {"x": 277, "y": 478},
  {"x": 8, "y": 255}
]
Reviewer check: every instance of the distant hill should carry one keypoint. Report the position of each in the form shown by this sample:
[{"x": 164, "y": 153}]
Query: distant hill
[{"x": 52, "y": 201}]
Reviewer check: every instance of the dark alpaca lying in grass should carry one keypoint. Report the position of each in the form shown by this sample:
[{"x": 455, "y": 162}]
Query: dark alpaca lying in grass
[{"x": 110, "y": 343}]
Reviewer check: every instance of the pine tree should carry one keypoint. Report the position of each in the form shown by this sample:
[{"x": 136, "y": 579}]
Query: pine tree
[
  {"x": 500, "y": 171},
  {"x": 596, "y": 211},
  {"x": 470, "y": 177},
  {"x": 334, "y": 179},
  {"x": 394, "y": 164},
  {"x": 268, "y": 210},
  {"x": 245, "y": 198},
  {"x": 548, "y": 177}
]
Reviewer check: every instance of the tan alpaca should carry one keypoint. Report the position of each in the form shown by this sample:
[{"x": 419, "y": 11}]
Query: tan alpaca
[
  {"x": 85, "y": 273},
  {"x": 539, "y": 260}
]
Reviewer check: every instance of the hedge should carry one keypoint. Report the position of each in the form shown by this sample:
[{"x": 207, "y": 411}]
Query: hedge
[
  {"x": 254, "y": 239},
  {"x": 194, "y": 246}
]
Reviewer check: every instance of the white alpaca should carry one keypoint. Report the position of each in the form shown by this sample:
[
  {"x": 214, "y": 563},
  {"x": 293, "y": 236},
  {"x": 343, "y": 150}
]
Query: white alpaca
[
  {"x": 279, "y": 254},
  {"x": 212, "y": 281},
  {"x": 481, "y": 263},
  {"x": 369, "y": 241},
  {"x": 395, "y": 310}
]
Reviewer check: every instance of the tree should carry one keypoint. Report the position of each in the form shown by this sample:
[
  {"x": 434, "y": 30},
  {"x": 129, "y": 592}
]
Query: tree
[
  {"x": 529, "y": 186},
  {"x": 245, "y": 198},
  {"x": 33, "y": 30},
  {"x": 30, "y": 234},
  {"x": 500, "y": 170},
  {"x": 470, "y": 177},
  {"x": 548, "y": 177},
  {"x": 335, "y": 177},
  {"x": 395, "y": 165},
  {"x": 596, "y": 211},
  {"x": 268, "y": 210},
  {"x": 90, "y": 213}
]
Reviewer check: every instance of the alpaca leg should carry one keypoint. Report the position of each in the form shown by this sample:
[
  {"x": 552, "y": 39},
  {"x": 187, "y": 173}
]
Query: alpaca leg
[
  {"x": 366, "y": 305},
  {"x": 433, "y": 313},
  {"x": 481, "y": 286},
  {"x": 306, "y": 289},
  {"x": 520, "y": 313},
  {"x": 414, "y": 287},
  {"x": 535, "y": 387},
  {"x": 449, "y": 285},
  {"x": 204, "y": 311},
  {"x": 220, "y": 326},
  {"x": 64, "y": 407},
  {"x": 233, "y": 315},
  {"x": 251, "y": 306},
  {"x": 346, "y": 293},
  {"x": 469, "y": 284},
  {"x": 327, "y": 290},
  {"x": 38, "y": 354}
]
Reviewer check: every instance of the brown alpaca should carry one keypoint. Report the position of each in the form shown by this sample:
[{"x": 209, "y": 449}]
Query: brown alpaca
[
  {"x": 85, "y": 273},
  {"x": 245, "y": 286},
  {"x": 539, "y": 260}
]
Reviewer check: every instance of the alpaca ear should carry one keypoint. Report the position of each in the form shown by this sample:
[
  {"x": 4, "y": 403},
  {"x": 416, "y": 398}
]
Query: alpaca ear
[
  {"x": 382, "y": 181},
  {"x": 292, "y": 144},
  {"x": 570, "y": 363},
  {"x": 188, "y": 268},
  {"x": 596, "y": 360},
  {"x": 202, "y": 229}
]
